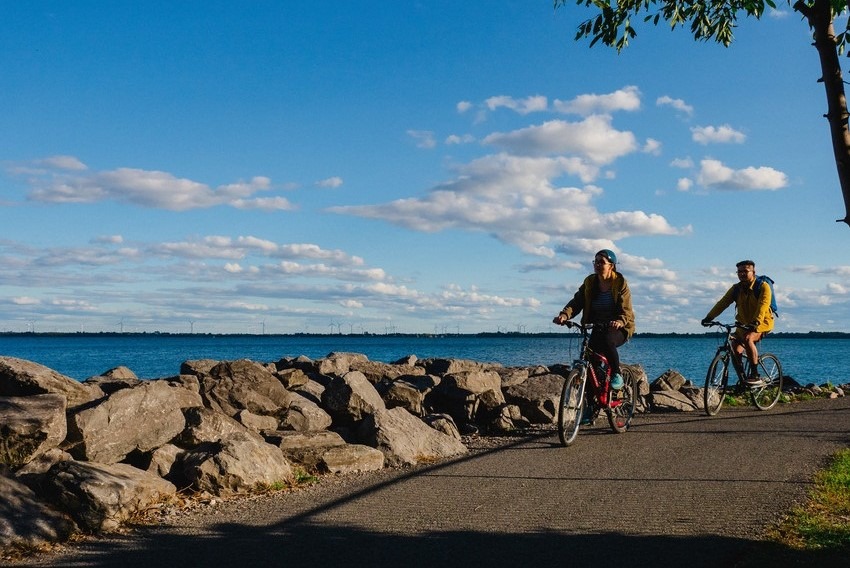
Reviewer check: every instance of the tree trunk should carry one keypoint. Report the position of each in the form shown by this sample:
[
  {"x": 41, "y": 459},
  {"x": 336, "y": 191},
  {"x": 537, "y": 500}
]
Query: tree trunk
[{"x": 819, "y": 17}]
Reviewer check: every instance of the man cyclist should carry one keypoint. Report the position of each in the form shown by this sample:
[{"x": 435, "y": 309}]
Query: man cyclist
[{"x": 752, "y": 310}]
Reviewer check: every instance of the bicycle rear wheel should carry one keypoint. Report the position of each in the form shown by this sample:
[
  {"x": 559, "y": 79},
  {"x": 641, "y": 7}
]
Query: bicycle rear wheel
[
  {"x": 715, "y": 384},
  {"x": 765, "y": 397},
  {"x": 620, "y": 416},
  {"x": 572, "y": 406}
]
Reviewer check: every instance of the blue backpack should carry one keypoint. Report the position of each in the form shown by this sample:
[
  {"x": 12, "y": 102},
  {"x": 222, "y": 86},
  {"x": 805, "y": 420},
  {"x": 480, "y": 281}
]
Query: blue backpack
[{"x": 761, "y": 281}]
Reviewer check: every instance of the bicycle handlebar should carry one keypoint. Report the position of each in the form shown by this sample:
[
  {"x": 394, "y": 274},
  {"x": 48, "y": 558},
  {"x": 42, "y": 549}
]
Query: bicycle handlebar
[{"x": 729, "y": 326}]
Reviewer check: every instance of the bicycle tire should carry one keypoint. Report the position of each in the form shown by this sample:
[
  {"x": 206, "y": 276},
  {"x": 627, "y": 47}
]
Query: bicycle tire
[
  {"x": 620, "y": 416},
  {"x": 571, "y": 407},
  {"x": 714, "y": 392},
  {"x": 765, "y": 397}
]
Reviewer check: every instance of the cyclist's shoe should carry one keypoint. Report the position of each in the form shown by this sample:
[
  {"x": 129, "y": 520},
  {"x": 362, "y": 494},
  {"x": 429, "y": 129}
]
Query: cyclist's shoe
[
  {"x": 754, "y": 380},
  {"x": 586, "y": 417},
  {"x": 617, "y": 381}
]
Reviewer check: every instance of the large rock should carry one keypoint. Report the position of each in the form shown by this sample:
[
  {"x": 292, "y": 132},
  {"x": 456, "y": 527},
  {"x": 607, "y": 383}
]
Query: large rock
[
  {"x": 232, "y": 386},
  {"x": 236, "y": 464},
  {"x": 537, "y": 398},
  {"x": 204, "y": 425},
  {"x": 410, "y": 392},
  {"x": 350, "y": 398},
  {"x": 305, "y": 448},
  {"x": 101, "y": 497},
  {"x": 30, "y": 426},
  {"x": 668, "y": 400},
  {"x": 352, "y": 458},
  {"x": 405, "y": 439},
  {"x": 134, "y": 419},
  {"x": 24, "y": 519},
  {"x": 114, "y": 379},
  {"x": 380, "y": 372},
  {"x": 304, "y": 415},
  {"x": 338, "y": 364},
  {"x": 19, "y": 377}
]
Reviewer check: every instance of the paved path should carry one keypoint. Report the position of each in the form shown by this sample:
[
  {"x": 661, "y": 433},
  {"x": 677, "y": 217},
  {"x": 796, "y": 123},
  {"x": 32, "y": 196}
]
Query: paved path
[{"x": 676, "y": 490}]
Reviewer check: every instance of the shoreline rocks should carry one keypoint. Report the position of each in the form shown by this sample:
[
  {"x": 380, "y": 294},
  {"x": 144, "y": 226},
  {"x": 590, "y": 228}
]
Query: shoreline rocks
[{"x": 87, "y": 456}]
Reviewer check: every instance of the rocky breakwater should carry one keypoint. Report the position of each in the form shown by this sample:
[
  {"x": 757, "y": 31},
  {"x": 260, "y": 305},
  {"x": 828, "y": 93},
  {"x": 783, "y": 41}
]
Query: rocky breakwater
[{"x": 86, "y": 456}]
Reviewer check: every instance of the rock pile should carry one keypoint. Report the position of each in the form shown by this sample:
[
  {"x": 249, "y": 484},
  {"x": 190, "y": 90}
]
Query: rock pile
[{"x": 88, "y": 455}]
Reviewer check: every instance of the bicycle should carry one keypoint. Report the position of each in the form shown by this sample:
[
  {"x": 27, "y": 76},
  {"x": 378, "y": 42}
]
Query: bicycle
[
  {"x": 587, "y": 392},
  {"x": 764, "y": 395}
]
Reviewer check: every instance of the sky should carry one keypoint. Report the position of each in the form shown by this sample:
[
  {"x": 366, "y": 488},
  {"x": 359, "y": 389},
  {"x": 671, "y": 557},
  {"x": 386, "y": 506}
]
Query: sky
[{"x": 411, "y": 167}]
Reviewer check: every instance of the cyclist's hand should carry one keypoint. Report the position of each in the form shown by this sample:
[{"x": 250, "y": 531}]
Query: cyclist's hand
[
  {"x": 615, "y": 324},
  {"x": 705, "y": 322},
  {"x": 560, "y": 319}
]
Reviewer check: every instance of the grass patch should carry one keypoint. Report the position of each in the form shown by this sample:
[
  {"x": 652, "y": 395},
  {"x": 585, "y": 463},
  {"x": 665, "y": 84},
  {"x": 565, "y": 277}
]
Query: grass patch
[{"x": 816, "y": 533}]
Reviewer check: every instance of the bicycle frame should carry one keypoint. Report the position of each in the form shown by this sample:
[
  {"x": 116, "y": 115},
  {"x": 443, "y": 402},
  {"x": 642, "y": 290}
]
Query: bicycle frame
[
  {"x": 587, "y": 391},
  {"x": 764, "y": 394}
]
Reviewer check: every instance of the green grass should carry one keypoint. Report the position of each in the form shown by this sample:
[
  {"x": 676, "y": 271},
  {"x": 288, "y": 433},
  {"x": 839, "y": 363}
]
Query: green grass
[{"x": 816, "y": 533}]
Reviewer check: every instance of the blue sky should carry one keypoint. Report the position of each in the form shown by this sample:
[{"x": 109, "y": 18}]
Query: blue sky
[{"x": 443, "y": 166}]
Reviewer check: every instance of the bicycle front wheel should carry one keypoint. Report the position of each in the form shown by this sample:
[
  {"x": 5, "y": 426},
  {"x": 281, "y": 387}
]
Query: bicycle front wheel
[
  {"x": 765, "y": 397},
  {"x": 715, "y": 384},
  {"x": 572, "y": 405},
  {"x": 620, "y": 416}
]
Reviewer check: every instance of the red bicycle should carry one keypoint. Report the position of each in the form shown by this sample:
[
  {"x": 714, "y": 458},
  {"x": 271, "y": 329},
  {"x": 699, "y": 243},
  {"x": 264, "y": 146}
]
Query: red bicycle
[{"x": 587, "y": 392}]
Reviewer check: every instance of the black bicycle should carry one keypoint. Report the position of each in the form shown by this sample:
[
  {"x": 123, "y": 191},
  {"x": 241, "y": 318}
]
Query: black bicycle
[
  {"x": 587, "y": 392},
  {"x": 764, "y": 394}
]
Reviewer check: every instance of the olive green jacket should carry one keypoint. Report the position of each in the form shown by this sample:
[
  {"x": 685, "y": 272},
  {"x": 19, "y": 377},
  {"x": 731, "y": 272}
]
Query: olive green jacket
[
  {"x": 749, "y": 307},
  {"x": 622, "y": 302}
]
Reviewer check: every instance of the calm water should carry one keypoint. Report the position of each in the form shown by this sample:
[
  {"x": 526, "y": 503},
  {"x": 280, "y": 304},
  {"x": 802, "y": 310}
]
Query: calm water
[{"x": 151, "y": 356}]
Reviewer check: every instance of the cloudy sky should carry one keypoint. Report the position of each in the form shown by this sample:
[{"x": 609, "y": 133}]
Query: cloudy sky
[{"x": 442, "y": 166}]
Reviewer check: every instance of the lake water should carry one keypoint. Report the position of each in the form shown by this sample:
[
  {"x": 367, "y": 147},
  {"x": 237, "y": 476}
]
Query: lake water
[{"x": 81, "y": 356}]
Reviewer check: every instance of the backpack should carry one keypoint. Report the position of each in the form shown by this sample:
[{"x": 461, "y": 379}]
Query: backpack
[{"x": 761, "y": 281}]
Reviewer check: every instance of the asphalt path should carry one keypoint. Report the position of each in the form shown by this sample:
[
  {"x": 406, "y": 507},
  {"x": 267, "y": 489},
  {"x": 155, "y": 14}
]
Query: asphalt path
[{"x": 676, "y": 490}]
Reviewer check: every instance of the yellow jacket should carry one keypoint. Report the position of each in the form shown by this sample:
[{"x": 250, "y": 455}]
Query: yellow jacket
[
  {"x": 749, "y": 307},
  {"x": 622, "y": 302}
]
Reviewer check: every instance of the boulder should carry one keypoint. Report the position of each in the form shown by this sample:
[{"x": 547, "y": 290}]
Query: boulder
[
  {"x": 537, "y": 398},
  {"x": 31, "y": 425},
  {"x": 304, "y": 415},
  {"x": 101, "y": 497},
  {"x": 135, "y": 419},
  {"x": 204, "y": 425},
  {"x": 405, "y": 439},
  {"x": 304, "y": 448},
  {"x": 255, "y": 422},
  {"x": 24, "y": 519},
  {"x": 19, "y": 377},
  {"x": 238, "y": 463},
  {"x": 232, "y": 386},
  {"x": 668, "y": 400},
  {"x": 350, "y": 398},
  {"x": 410, "y": 392},
  {"x": 338, "y": 364},
  {"x": 114, "y": 379},
  {"x": 351, "y": 458}
]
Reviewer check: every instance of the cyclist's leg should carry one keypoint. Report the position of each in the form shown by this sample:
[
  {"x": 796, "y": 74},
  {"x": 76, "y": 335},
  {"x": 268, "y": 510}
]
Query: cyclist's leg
[{"x": 750, "y": 340}]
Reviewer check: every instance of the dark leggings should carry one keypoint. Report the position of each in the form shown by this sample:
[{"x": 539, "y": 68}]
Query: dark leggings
[{"x": 606, "y": 342}]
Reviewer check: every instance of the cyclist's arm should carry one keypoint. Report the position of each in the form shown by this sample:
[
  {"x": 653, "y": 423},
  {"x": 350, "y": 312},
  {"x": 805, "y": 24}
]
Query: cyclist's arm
[
  {"x": 574, "y": 306},
  {"x": 724, "y": 302}
]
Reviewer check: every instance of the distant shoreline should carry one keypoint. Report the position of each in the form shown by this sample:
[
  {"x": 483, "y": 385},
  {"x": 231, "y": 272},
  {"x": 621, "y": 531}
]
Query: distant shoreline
[{"x": 484, "y": 335}]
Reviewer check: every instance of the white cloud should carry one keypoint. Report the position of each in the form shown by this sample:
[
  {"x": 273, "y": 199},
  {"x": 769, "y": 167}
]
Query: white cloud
[
  {"x": 25, "y": 301},
  {"x": 627, "y": 99},
  {"x": 146, "y": 188},
  {"x": 714, "y": 174},
  {"x": 453, "y": 139},
  {"x": 652, "y": 146},
  {"x": 463, "y": 106},
  {"x": 684, "y": 184},
  {"x": 62, "y": 163},
  {"x": 521, "y": 106},
  {"x": 724, "y": 134},
  {"x": 331, "y": 182},
  {"x": 593, "y": 138},
  {"x": 677, "y": 104},
  {"x": 423, "y": 138},
  {"x": 514, "y": 199},
  {"x": 683, "y": 163}
]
